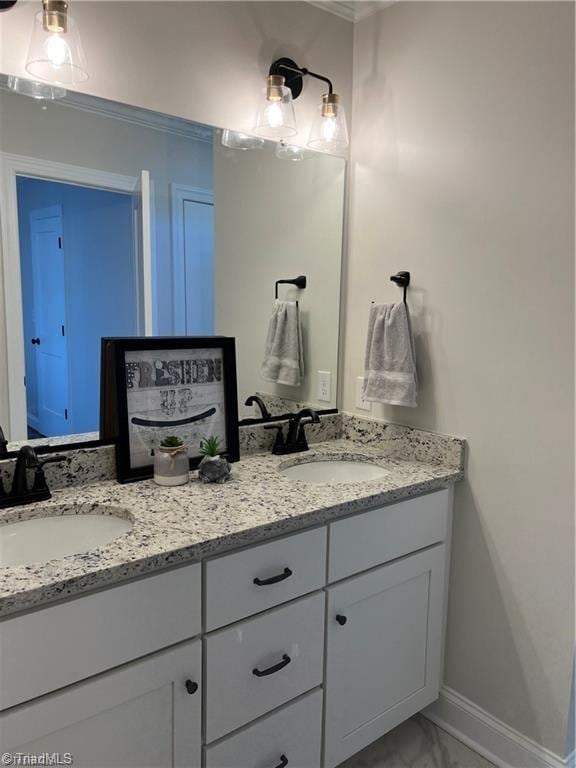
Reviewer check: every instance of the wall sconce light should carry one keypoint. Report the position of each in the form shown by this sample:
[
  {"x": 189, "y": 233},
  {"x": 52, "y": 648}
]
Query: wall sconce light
[
  {"x": 55, "y": 54},
  {"x": 276, "y": 118}
]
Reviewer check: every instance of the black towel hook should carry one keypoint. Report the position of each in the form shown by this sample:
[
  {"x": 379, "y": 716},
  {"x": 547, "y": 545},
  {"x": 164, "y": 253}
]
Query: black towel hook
[
  {"x": 299, "y": 282},
  {"x": 402, "y": 280}
]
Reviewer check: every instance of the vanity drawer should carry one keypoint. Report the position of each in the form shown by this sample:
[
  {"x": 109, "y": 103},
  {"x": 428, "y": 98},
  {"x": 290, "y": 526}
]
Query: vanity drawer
[
  {"x": 258, "y": 578},
  {"x": 372, "y": 538},
  {"x": 290, "y": 736},
  {"x": 260, "y": 664},
  {"x": 70, "y": 641}
]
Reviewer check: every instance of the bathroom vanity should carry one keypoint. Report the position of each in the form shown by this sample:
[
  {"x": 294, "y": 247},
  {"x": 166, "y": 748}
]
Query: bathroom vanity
[{"x": 298, "y": 623}]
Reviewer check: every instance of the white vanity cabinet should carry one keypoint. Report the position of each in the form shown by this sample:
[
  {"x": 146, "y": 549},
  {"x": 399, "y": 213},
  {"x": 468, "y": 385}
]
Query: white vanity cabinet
[
  {"x": 383, "y": 650},
  {"x": 312, "y": 645},
  {"x": 147, "y": 713}
]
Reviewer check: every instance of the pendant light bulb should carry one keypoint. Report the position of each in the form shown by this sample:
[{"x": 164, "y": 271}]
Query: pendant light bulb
[
  {"x": 329, "y": 131},
  {"x": 276, "y": 119},
  {"x": 55, "y": 54}
]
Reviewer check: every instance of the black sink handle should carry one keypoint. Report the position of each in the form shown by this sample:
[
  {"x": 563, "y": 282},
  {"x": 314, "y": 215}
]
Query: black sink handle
[
  {"x": 276, "y": 668},
  {"x": 283, "y": 762},
  {"x": 286, "y": 573}
]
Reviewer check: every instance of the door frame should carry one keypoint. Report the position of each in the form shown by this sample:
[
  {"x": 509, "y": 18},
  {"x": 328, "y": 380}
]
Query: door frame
[
  {"x": 178, "y": 194},
  {"x": 12, "y": 166}
]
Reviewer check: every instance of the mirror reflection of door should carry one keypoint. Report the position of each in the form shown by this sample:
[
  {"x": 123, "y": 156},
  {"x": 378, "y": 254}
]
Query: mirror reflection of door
[
  {"x": 80, "y": 281},
  {"x": 46, "y": 342},
  {"x": 193, "y": 260}
]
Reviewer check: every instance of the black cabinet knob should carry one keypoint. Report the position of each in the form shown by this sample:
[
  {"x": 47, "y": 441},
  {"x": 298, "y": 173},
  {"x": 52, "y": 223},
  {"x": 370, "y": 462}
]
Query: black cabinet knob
[
  {"x": 35, "y": 341},
  {"x": 341, "y": 619},
  {"x": 191, "y": 687}
]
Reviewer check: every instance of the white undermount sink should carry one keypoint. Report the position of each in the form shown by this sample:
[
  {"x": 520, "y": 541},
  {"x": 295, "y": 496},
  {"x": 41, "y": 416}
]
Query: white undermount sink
[
  {"x": 334, "y": 471},
  {"x": 51, "y": 537}
]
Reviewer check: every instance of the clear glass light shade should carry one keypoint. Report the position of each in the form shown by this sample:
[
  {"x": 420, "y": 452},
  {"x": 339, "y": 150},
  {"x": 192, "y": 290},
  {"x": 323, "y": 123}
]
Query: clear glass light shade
[
  {"x": 239, "y": 140},
  {"x": 56, "y": 57},
  {"x": 329, "y": 132},
  {"x": 290, "y": 152},
  {"x": 35, "y": 89},
  {"x": 276, "y": 119}
]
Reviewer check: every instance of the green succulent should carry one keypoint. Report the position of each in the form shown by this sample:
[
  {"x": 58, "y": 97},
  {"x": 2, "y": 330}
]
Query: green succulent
[
  {"x": 172, "y": 441},
  {"x": 210, "y": 446}
]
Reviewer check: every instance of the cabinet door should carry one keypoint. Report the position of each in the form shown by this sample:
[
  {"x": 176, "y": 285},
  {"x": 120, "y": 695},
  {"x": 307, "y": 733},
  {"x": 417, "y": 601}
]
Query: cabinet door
[
  {"x": 384, "y": 645},
  {"x": 140, "y": 715}
]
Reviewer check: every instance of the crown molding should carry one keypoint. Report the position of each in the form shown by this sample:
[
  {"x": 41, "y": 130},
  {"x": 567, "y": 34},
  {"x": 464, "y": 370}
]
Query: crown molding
[
  {"x": 144, "y": 118},
  {"x": 351, "y": 10}
]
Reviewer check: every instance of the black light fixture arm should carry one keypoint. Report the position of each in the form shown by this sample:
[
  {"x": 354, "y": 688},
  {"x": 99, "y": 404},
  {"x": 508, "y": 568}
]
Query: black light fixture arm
[{"x": 294, "y": 82}]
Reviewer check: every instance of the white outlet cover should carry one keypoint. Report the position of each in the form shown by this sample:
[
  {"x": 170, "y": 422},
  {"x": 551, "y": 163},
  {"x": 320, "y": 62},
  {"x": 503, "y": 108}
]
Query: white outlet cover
[
  {"x": 324, "y": 386},
  {"x": 361, "y": 404}
]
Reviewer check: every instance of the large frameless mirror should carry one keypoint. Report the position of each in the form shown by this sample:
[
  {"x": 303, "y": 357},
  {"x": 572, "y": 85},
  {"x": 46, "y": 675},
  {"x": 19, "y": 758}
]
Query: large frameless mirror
[{"x": 118, "y": 221}]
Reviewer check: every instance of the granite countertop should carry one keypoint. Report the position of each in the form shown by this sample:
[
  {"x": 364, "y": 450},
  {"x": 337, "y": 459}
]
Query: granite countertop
[{"x": 178, "y": 525}]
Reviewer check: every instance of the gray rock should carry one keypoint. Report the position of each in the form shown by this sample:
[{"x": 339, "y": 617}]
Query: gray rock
[{"x": 214, "y": 469}]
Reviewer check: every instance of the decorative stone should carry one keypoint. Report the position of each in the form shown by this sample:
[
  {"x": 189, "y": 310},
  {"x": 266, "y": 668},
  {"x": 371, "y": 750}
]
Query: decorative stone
[{"x": 214, "y": 469}]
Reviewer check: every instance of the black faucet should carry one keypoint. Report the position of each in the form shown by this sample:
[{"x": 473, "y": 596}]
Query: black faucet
[
  {"x": 254, "y": 399},
  {"x": 296, "y": 437},
  {"x": 20, "y": 493}
]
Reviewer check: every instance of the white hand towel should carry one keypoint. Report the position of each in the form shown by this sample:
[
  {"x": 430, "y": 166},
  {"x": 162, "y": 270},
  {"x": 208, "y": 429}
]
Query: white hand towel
[
  {"x": 390, "y": 367},
  {"x": 283, "y": 355}
]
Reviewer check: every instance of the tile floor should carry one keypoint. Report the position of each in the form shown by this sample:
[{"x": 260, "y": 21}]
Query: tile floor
[{"x": 417, "y": 743}]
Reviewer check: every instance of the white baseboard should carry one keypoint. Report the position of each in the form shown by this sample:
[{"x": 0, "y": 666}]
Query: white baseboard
[{"x": 488, "y": 736}]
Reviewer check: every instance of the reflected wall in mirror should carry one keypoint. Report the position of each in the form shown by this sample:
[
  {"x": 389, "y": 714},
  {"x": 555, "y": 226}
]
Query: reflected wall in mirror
[{"x": 117, "y": 221}]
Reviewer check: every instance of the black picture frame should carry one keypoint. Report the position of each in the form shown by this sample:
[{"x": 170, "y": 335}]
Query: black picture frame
[{"x": 118, "y": 420}]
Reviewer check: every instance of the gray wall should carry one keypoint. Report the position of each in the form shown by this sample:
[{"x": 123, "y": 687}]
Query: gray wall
[{"x": 463, "y": 163}]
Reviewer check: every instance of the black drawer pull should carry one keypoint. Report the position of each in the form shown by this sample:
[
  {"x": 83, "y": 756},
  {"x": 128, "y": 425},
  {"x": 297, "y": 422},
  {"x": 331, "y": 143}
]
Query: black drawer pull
[
  {"x": 341, "y": 619},
  {"x": 283, "y": 762},
  {"x": 191, "y": 687},
  {"x": 276, "y": 668},
  {"x": 286, "y": 573}
]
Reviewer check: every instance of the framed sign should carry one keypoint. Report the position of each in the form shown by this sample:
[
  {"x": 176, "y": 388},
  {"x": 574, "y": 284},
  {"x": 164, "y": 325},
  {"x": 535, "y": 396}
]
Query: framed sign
[{"x": 154, "y": 387}]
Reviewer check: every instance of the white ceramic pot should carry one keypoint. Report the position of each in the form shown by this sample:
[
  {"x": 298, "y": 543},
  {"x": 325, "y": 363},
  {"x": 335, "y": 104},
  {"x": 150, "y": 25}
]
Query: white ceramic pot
[{"x": 171, "y": 466}]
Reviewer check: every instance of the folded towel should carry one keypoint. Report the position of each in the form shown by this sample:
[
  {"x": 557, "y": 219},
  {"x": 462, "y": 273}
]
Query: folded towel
[
  {"x": 390, "y": 367},
  {"x": 283, "y": 356}
]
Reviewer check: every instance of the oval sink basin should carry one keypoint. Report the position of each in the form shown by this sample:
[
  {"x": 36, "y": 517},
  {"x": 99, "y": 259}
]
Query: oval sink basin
[
  {"x": 50, "y": 538},
  {"x": 335, "y": 471}
]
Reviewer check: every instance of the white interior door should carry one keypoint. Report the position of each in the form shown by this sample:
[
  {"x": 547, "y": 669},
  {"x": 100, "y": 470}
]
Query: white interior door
[
  {"x": 199, "y": 267},
  {"x": 192, "y": 260},
  {"x": 47, "y": 347},
  {"x": 144, "y": 239}
]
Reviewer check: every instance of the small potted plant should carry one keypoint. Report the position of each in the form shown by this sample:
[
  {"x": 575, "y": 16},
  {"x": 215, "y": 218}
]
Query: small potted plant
[
  {"x": 171, "y": 464},
  {"x": 213, "y": 467}
]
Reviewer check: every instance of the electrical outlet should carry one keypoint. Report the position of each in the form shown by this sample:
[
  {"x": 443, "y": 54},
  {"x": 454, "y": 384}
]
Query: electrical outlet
[
  {"x": 324, "y": 386},
  {"x": 361, "y": 404}
]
